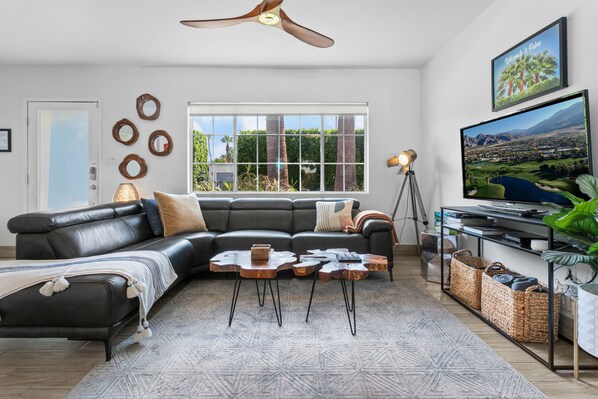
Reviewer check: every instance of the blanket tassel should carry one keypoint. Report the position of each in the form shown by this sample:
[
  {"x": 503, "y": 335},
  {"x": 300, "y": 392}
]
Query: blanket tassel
[
  {"x": 60, "y": 284},
  {"x": 139, "y": 334},
  {"x": 143, "y": 331},
  {"x": 47, "y": 289},
  {"x": 147, "y": 332},
  {"x": 57, "y": 285},
  {"x": 134, "y": 289}
]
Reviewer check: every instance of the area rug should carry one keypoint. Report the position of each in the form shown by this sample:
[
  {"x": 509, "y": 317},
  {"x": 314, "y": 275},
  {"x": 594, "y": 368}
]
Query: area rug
[{"x": 407, "y": 346}]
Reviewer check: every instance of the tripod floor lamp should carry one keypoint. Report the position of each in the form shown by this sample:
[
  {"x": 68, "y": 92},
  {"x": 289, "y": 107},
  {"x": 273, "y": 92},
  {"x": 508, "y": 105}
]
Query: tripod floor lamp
[{"x": 405, "y": 160}]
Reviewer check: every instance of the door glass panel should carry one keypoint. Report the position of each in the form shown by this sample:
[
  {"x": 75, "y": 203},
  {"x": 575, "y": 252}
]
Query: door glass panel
[{"x": 64, "y": 158}]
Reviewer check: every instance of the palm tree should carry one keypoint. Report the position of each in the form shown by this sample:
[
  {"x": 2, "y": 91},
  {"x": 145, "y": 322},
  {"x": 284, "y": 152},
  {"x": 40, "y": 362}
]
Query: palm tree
[
  {"x": 544, "y": 66},
  {"x": 229, "y": 153},
  {"x": 521, "y": 66},
  {"x": 506, "y": 80},
  {"x": 276, "y": 161},
  {"x": 347, "y": 172}
]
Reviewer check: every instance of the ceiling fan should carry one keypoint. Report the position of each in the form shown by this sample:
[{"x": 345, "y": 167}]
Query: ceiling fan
[{"x": 268, "y": 13}]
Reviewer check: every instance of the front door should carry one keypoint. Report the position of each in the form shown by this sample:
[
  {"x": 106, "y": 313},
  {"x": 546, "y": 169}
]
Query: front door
[{"x": 62, "y": 154}]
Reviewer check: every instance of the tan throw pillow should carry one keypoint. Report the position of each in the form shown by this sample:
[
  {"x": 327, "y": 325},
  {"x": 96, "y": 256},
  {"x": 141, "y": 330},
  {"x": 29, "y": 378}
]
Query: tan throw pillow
[
  {"x": 333, "y": 216},
  {"x": 179, "y": 213}
]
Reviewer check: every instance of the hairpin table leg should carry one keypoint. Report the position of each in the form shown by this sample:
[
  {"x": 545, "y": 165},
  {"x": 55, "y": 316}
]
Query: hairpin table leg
[
  {"x": 233, "y": 304},
  {"x": 277, "y": 310},
  {"x": 260, "y": 301},
  {"x": 313, "y": 285},
  {"x": 350, "y": 305}
]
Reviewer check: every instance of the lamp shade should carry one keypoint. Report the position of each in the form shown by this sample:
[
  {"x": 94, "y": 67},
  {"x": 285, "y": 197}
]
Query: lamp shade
[
  {"x": 125, "y": 192},
  {"x": 403, "y": 159},
  {"x": 407, "y": 157},
  {"x": 392, "y": 162}
]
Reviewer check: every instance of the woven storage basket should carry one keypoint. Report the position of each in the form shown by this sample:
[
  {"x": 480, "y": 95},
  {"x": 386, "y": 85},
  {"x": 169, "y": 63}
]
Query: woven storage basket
[
  {"x": 466, "y": 276},
  {"x": 521, "y": 314}
]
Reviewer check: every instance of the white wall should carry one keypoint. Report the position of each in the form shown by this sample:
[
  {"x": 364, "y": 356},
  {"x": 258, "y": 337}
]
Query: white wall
[
  {"x": 393, "y": 96},
  {"x": 456, "y": 92}
]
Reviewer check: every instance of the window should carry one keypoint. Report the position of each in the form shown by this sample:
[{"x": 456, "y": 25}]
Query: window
[{"x": 279, "y": 147}]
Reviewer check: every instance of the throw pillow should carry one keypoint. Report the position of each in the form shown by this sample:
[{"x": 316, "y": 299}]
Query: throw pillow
[
  {"x": 333, "y": 216},
  {"x": 153, "y": 216},
  {"x": 179, "y": 213}
]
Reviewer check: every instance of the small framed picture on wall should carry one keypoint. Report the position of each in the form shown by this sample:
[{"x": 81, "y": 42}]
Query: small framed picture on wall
[
  {"x": 5, "y": 143},
  {"x": 534, "y": 67}
]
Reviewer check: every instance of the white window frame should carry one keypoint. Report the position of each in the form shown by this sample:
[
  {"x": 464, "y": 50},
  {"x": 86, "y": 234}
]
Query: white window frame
[{"x": 199, "y": 109}]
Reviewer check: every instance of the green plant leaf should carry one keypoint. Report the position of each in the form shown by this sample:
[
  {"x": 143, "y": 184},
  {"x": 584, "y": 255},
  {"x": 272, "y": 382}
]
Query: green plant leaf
[
  {"x": 550, "y": 220},
  {"x": 581, "y": 219},
  {"x": 574, "y": 200},
  {"x": 588, "y": 207},
  {"x": 593, "y": 249},
  {"x": 581, "y": 225},
  {"x": 588, "y": 185},
  {"x": 567, "y": 258}
]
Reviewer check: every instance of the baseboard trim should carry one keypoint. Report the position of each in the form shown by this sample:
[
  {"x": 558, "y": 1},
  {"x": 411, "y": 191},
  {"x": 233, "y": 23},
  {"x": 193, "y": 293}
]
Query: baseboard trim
[
  {"x": 8, "y": 252},
  {"x": 406, "y": 250}
]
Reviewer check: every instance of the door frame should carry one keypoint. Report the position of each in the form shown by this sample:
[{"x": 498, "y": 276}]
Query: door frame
[{"x": 25, "y": 140}]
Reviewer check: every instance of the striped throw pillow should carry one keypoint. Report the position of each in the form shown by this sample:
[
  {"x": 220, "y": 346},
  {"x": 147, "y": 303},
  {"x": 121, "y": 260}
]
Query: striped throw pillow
[{"x": 333, "y": 216}]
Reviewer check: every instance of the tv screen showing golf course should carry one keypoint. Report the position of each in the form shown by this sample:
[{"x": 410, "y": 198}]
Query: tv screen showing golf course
[{"x": 531, "y": 155}]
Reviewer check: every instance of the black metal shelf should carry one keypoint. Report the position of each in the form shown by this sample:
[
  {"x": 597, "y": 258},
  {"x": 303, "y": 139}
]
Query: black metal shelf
[
  {"x": 534, "y": 220},
  {"x": 496, "y": 240},
  {"x": 476, "y": 210}
]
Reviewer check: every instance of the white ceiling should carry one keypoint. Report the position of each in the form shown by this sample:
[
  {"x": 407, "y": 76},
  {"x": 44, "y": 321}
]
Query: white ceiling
[{"x": 368, "y": 33}]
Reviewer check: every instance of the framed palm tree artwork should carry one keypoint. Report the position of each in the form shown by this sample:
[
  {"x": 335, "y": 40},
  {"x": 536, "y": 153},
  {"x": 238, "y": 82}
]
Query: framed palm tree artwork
[{"x": 532, "y": 68}]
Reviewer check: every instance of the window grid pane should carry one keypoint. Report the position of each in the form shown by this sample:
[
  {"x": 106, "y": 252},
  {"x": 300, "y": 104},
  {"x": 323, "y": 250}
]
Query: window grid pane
[{"x": 279, "y": 153}]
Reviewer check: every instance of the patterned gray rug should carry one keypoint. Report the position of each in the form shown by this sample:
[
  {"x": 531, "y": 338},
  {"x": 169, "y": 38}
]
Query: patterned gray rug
[{"x": 407, "y": 346}]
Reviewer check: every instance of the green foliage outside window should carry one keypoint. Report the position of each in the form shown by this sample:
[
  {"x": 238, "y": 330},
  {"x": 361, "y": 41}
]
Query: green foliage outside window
[
  {"x": 200, "y": 158},
  {"x": 303, "y": 150}
]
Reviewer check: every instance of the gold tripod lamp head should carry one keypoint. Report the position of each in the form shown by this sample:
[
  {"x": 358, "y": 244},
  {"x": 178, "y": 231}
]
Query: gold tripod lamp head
[{"x": 404, "y": 159}]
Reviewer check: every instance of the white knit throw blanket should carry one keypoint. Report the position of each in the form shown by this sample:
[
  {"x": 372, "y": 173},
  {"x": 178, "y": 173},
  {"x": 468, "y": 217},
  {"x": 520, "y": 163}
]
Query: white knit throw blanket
[{"x": 148, "y": 274}]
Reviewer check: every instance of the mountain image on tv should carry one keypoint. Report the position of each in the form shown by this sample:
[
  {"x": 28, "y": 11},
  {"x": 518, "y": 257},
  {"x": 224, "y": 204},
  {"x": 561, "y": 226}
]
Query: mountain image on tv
[{"x": 528, "y": 157}]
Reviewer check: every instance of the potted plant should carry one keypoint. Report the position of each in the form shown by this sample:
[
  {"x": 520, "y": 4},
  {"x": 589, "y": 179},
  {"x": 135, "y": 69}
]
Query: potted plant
[{"x": 578, "y": 226}]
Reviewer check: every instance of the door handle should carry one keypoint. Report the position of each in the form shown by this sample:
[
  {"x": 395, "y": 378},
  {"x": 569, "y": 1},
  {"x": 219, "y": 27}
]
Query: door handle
[
  {"x": 93, "y": 187},
  {"x": 92, "y": 174}
]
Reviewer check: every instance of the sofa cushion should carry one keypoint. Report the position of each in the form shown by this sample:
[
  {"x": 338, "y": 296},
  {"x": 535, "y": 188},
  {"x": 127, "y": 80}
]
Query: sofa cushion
[
  {"x": 179, "y": 251},
  {"x": 244, "y": 239},
  {"x": 94, "y": 238},
  {"x": 179, "y": 213},
  {"x": 261, "y": 214},
  {"x": 98, "y": 300},
  {"x": 203, "y": 246},
  {"x": 42, "y": 222},
  {"x": 34, "y": 246},
  {"x": 304, "y": 212},
  {"x": 126, "y": 208},
  {"x": 215, "y": 212},
  {"x": 329, "y": 239},
  {"x": 153, "y": 216}
]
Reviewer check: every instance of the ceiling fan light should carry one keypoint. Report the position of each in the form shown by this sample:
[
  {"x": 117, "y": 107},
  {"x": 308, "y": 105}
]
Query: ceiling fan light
[{"x": 269, "y": 19}]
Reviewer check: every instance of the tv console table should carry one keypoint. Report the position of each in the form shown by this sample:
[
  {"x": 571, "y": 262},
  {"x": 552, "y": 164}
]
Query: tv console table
[{"x": 529, "y": 221}]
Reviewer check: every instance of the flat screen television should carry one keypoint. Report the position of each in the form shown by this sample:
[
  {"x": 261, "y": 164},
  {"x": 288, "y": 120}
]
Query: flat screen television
[{"x": 531, "y": 155}]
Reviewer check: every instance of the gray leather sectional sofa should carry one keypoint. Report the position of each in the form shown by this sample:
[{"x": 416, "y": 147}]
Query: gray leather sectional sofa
[{"x": 96, "y": 307}]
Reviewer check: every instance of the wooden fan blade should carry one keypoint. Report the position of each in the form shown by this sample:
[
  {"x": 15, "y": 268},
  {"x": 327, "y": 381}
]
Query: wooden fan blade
[
  {"x": 224, "y": 22},
  {"x": 268, "y": 5},
  {"x": 304, "y": 34}
]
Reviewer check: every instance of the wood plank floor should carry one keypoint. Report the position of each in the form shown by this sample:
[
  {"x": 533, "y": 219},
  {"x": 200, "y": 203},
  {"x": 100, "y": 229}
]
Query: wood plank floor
[{"x": 49, "y": 368}]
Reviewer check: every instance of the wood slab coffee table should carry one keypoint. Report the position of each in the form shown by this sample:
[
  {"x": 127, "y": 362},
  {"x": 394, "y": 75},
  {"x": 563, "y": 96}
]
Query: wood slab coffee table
[
  {"x": 240, "y": 263},
  {"x": 325, "y": 266}
]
